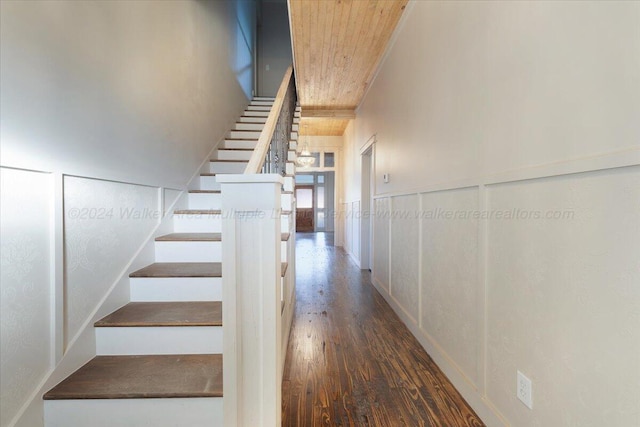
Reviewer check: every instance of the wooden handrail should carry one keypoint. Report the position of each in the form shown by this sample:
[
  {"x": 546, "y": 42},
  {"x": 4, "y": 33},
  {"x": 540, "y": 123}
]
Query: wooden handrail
[{"x": 260, "y": 152}]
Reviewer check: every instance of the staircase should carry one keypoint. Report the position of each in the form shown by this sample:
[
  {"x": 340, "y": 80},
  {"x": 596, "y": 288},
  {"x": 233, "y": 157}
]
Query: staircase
[{"x": 159, "y": 358}]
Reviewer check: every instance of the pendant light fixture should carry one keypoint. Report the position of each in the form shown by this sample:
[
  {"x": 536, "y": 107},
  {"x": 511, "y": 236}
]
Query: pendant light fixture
[{"x": 305, "y": 159}]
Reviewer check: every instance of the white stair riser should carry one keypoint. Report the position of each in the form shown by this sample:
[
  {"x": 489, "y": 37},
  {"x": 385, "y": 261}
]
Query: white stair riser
[
  {"x": 263, "y": 103},
  {"x": 288, "y": 183},
  {"x": 233, "y": 154},
  {"x": 295, "y": 128},
  {"x": 188, "y": 251},
  {"x": 293, "y": 135},
  {"x": 291, "y": 168},
  {"x": 197, "y": 223},
  {"x": 256, "y": 114},
  {"x": 165, "y": 289},
  {"x": 192, "y": 412},
  {"x": 282, "y": 289},
  {"x": 207, "y": 223},
  {"x": 292, "y": 156},
  {"x": 286, "y": 201},
  {"x": 243, "y": 134},
  {"x": 205, "y": 200},
  {"x": 209, "y": 183},
  {"x": 113, "y": 341},
  {"x": 227, "y": 167},
  {"x": 264, "y": 98},
  {"x": 283, "y": 251},
  {"x": 214, "y": 200},
  {"x": 233, "y": 143},
  {"x": 285, "y": 224},
  {"x": 262, "y": 120},
  {"x": 248, "y": 126},
  {"x": 293, "y": 145},
  {"x": 196, "y": 251},
  {"x": 258, "y": 108}
]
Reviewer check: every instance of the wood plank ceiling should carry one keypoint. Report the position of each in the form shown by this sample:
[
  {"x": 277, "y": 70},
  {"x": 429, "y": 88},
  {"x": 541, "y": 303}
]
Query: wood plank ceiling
[{"x": 337, "y": 46}]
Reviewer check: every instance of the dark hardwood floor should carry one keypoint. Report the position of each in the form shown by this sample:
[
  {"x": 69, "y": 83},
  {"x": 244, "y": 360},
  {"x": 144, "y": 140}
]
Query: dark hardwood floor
[{"x": 351, "y": 361}]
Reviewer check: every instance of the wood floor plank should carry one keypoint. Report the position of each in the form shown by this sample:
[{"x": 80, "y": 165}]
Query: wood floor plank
[{"x": 351, "y": 361}]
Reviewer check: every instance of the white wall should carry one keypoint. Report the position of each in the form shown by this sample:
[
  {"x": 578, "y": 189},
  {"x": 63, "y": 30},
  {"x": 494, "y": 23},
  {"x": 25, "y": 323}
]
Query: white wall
[
  {"x": 489, "y": 116},
  {"x": 351, "y": 201},
  {"x": 274, "y": 46},
  {"x": 131, "y": 91},
  {"x": 108, "y": 111},
  {"x": 25, "y": 295},
  {"x": 105, "y": 224}
]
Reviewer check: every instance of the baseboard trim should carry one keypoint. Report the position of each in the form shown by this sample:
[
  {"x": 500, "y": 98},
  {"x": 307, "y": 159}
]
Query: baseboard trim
[{"x": 480, "y": 404}]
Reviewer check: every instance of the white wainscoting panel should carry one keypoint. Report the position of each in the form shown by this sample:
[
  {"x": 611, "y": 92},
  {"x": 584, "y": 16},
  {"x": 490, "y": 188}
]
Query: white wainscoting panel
[
  {"x": 105, "y": 224},
  {"x": 381, "y": 242},
  {"x": 348, "y": 243},
  {"x": 563, "y": 298},
  {"x": 352, "y": 229},
  {"x": 25, "y": 286},
  {"x": 450, "y": 275},
  {"x": 405, "y": 234},
  {"x": 356, "y": 214}
]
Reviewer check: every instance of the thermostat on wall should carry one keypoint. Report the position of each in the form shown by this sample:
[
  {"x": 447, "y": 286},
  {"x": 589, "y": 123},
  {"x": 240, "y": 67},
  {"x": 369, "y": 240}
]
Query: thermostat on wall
[{"x": 385, "y": 178}]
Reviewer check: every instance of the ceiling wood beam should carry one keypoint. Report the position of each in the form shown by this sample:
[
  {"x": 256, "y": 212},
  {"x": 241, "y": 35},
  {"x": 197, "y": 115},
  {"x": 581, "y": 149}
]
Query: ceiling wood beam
[{"x": 327, "y": 114}]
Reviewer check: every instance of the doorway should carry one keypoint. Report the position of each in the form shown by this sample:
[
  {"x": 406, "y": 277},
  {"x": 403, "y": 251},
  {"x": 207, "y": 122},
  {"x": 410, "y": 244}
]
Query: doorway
[
  {"x": 305, "y": 209},
  {"x": 315, "y": 200}
]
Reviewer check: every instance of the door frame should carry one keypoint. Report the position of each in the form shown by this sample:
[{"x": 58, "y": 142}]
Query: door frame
[{"x": 367, "y": 191}]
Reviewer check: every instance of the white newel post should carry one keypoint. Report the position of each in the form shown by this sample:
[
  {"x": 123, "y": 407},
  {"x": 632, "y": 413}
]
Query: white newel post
[{"x": 251, "y": 272}]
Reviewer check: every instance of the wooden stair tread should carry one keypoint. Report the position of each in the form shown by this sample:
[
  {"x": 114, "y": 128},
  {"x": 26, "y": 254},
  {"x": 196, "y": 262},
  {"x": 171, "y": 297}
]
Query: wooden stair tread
[
  {"x": 197, "y": 212},
  {"x": 190, "y": 237},
  {"x": 135, "y": 377},
  {"x": 185, "y": 269},
  {"x": 209, "y": 212},
  {"x": 199, "y": 237},
  {"x": 180, "y": 269},
  {"x": 147, "y": 314}
]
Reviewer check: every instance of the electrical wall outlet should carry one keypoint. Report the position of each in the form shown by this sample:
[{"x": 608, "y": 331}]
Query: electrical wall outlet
[{"x": 524, "y": 391}]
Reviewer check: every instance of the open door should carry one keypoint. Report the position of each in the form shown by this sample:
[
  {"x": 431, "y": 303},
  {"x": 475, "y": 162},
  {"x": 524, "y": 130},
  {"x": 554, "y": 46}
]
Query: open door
[{"x": 304, "y": 209}]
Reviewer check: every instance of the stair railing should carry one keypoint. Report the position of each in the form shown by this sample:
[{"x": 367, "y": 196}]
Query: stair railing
[
  {"x": 255, "y": 334},
  {"x": 270, "y": 154}
]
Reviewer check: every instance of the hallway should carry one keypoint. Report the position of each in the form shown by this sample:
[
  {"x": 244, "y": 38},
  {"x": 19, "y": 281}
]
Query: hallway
[{"x": 351, "y": 361}]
